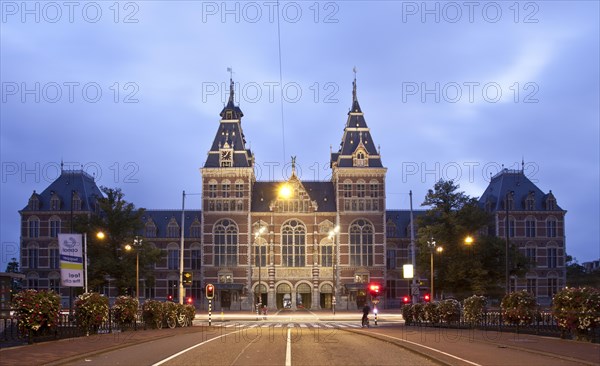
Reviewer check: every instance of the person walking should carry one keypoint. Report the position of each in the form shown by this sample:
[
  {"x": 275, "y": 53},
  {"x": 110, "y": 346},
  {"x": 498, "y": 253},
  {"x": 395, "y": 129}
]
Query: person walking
[{"x": 365, "y": 318}]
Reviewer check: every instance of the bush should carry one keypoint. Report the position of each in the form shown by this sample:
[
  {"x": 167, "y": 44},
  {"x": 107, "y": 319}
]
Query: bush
[
  {"x": 577, "y": 310},
  {"x": 407, "y": 313},
  {"x": 91, "y": 310},
  {"x": 36, "y": 310},
  {"x": 153, "y": 313},
  {"x": 449, "y": 310},
  {"x": 431, "y": 312},
  {"x": 474, "y": 309},
  {"x": 519, "y": 308},
  {"x": 125, "y": 309},
  {"x": 418, "y": 313}
]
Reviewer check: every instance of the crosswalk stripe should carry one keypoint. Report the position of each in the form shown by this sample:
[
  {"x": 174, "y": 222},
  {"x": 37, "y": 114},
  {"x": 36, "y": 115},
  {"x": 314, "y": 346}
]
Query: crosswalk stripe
[{"x": 325, "y": 325}]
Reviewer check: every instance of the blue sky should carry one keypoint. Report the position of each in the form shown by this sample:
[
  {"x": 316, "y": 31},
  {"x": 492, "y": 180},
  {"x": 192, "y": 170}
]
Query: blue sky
[{"x": 132, "y": 92}]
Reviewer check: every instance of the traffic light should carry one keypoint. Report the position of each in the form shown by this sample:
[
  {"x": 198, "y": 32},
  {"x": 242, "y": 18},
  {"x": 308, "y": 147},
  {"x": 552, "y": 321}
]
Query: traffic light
[
  {"x": 210, "y": 291},
  {"x": 426, "y": 297},
  {"x": 187, "y": 278},
  {"x": 374, "y": 289},
  {"x": 189, "y": 300},
  {"x": 406, "y": 299},
  {"x": 170, "y": 297}
]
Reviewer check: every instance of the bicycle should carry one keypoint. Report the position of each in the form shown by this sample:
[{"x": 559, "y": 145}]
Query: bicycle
[
  {"x": 365, "y": 322},
  {"x": 177, "y": 318}
]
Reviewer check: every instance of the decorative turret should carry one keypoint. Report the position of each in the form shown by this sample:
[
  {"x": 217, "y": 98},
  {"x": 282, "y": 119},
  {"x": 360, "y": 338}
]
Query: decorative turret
[
  {"x": 228, "y": 149},
  {"x": 357, "y": 148}
]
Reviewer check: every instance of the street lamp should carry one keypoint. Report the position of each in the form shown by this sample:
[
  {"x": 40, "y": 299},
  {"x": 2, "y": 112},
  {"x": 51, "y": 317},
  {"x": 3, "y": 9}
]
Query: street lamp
[
  {"x": 333, "y": 236},
  {"x": 137, "y": 243},
  {"x": 507, "y": 234},
  {"x": 100, "y": 235},
  {"x": 433, "y": 246},
  {"x": 257, "y": 237}
]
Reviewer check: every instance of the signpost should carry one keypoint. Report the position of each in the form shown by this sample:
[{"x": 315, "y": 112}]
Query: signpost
[{"x": 210, "y": 294}]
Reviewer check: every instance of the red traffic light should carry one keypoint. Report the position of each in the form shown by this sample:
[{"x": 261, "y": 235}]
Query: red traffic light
[
  {"x": 374, "y": 289},
  {"x": 170, "y": 297},
  {"x": 189, "y": 300},
  {"x": 426, "y": 297},
  {"x": 406, "y": 299},
  {"x": 210, "y": 291}
]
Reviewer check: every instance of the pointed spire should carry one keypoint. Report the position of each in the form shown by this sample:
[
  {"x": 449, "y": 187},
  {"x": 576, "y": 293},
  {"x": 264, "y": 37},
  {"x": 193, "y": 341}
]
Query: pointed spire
[
  {"x": 293, "y": 165},
  {"x": 354, "y": 86},
  {"x": 231, "y": 111},
  {"x": 355, "y": 106},
  {"x": 231, "y": 88}
]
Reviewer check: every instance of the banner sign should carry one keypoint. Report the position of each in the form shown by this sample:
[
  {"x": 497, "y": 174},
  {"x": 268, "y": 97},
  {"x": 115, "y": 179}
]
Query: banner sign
[{"x": 71, "y": 259}]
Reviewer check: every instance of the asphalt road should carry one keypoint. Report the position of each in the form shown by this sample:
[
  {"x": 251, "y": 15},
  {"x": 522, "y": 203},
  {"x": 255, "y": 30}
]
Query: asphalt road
[{"x": 332, "y": 343}]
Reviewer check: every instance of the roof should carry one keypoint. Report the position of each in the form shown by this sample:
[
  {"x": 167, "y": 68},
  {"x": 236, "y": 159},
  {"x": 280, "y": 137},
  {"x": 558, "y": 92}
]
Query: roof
[
  {"x": 513, "y": 181},
  {"x": 161, "y": 219},
  {"x": 401, "y": 219},
  {"x": 323, "y": 193},
  {"x": 356, "y": 134},
  {"x": 230, "y": 136},
  {"x": 64, "y": 187}
]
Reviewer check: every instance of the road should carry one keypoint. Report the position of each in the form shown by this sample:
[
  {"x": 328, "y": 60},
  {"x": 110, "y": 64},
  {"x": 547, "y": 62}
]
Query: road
[{"x": 289, "y": 343}]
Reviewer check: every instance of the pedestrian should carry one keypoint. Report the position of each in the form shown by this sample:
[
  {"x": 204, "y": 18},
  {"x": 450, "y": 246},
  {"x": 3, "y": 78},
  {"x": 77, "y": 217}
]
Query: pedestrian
[{"x": 365, "y": 318}]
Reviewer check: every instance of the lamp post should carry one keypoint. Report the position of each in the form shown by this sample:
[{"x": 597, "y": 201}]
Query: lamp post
[
  {"x": 137, "y": 243},
  {"x": 100, "y": 235},
  {"x": 257, "y": 237},
  {"x": 507, "y": 234},
  {"x": 333, "y": 236},
  {"x": 433, "y": 246}
]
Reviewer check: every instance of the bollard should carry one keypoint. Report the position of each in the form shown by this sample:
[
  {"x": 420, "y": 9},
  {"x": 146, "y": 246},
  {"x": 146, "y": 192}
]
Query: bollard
[{"x": 209, "y": 312}]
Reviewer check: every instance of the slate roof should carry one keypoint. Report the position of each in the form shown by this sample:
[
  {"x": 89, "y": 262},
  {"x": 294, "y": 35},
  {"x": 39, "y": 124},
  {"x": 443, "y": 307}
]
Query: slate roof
[
  {"x": 263, "y": 193},
  {"x": 161, "y": 219},
  {"x": 230, "y": 135},
  {"x": 356, "y": 133},
  {"x": 68, "y": 182},
  {"x": 401, "y": 219},
  {"x": 513, "y": 180}
]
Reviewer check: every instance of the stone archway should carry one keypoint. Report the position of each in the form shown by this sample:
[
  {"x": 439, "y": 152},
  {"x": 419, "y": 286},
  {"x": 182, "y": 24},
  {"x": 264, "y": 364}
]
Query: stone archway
[
  {"x": 326, "y": 298},
  {"x": 303, "y": 296},
  {"x": 284, "y": 296}
]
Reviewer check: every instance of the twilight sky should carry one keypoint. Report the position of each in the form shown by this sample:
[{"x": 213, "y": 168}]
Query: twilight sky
[{"x": 132, "y": 92}]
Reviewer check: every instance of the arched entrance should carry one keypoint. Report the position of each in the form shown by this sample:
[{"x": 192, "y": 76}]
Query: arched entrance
[
  {"x": 326, "y": 296},
  {"x": 284, "y": 296},
  {"x": 303, "y": 296},
  {"x": 264, "y": 295}
]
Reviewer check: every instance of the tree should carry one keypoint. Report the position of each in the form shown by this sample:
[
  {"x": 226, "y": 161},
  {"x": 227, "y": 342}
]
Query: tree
[
  {"x": 461, "y": 270},
  {"x": 15, "y": 283},
  {"x": 119, "y": 220},
  {"x": 577, "y": 276}
]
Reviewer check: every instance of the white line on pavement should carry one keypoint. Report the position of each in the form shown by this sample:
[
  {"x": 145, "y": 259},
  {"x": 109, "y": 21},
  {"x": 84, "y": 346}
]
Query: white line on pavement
[{"x": 288, "y": 349}]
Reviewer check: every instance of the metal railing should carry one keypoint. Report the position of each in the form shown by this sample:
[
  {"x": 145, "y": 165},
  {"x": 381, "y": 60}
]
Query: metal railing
[{"x": 67, "y": 327}]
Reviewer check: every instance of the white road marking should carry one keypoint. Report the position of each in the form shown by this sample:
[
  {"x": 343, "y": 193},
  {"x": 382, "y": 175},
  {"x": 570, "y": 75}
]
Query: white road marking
[
  {"x": 192, "y": 347},
  {"x": 431, "y": 349},
  {"x": 288, "y": 349}
]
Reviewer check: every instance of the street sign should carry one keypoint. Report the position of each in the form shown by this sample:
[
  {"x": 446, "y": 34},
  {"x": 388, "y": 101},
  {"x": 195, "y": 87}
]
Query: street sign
[{"x": 414, "y": 290}]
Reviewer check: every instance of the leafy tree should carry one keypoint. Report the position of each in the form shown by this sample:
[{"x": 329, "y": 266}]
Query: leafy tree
[
  {"x": 15, "y": 283},
  {"x": 460, "y": 270},
  {"x": 577, "y": 276},
  {"x": 118, "y": 220}
]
